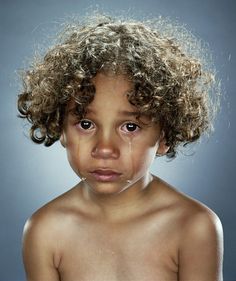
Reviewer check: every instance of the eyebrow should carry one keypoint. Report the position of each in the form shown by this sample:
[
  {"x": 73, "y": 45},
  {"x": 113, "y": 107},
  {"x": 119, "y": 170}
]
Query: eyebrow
[
  {"x": 120, "y": 112},
  {"x": 129, "y": 113}
]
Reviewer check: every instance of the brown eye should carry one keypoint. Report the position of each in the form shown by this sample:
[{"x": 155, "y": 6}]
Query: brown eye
[
  {"x": 130, "y": 127},
  {"x": 86, "y": 125}
]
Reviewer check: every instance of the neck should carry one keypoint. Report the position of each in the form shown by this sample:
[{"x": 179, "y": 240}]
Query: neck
[{"x": 128, "y": 203}]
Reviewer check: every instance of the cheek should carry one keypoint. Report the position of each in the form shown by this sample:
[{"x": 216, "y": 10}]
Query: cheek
[
  {"x": 142, "y": 157},
  {"x": 77, "y": 154}
]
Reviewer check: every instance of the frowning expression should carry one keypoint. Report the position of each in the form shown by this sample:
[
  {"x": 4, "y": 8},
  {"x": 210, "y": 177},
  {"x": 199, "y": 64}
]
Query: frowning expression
[{"x": 111, "y": 147}]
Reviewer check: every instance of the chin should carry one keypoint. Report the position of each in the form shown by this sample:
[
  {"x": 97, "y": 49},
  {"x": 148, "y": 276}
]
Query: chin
[{"x": 107, "y": 188}]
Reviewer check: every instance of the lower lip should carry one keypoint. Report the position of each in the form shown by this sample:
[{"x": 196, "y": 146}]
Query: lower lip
[{"x": 105, "y": 177}]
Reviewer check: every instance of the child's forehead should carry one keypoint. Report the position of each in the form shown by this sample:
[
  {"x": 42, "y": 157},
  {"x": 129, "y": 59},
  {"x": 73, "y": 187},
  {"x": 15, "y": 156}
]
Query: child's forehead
[
  {"x": 110, "y": 99},
  {"x": 111, "y": 89},
  {"x": 91, "y": 111},
  {"x": 106, "y": 80}
]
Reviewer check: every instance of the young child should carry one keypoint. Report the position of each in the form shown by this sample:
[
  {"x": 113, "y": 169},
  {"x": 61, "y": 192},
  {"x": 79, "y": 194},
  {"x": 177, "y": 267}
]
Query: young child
[{"x": 116, "y": 93}]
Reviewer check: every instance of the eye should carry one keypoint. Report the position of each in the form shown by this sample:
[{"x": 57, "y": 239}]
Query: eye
[
  {"x": 130, "y": 127},
  {"x": 86, "y": 125}
]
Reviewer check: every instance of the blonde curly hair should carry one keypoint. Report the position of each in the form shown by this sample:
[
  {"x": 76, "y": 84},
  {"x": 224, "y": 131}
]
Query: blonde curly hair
[{"x": 172, "y": 83}]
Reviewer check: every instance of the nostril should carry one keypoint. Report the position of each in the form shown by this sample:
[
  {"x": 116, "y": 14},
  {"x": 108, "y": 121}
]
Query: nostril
[{"x": 105, "y": 152}]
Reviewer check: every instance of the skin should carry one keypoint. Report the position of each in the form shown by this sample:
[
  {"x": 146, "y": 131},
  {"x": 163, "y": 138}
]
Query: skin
[{"x": 121, "y": 223}]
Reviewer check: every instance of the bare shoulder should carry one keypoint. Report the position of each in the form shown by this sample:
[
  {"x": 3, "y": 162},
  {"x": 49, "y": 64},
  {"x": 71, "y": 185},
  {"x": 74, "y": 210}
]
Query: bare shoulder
[
  {"x": 194, "y": 220},
  {"x": 50, "y": 216},
  {"x": 199, "y": 236},
  {"x": 198, "y": 219},
  {"x": 190, "y": 212},
  {"x": 45, "y": 227},
  {"x": 43, "y": 238},
  {"x": 200, "y": 227}
]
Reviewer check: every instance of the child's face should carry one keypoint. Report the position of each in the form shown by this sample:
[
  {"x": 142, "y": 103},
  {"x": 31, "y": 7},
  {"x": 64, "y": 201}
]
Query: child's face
[{"x": 110, "y": 148}]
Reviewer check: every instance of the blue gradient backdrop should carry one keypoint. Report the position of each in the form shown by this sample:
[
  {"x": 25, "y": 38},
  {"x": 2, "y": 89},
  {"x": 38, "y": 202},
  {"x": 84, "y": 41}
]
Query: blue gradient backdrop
[{"x": 31, "y": 175}]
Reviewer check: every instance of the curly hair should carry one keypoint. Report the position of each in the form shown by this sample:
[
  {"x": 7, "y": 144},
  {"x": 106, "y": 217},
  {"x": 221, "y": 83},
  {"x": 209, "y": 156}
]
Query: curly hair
[{"x": 172, "y": 84}]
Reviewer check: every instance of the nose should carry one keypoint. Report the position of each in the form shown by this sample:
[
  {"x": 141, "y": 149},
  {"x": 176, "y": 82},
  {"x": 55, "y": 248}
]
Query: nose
[{"x": 106, "y": 146}]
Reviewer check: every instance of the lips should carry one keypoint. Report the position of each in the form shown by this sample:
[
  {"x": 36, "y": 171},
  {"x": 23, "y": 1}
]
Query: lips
[{"x": 105, "y": 175}]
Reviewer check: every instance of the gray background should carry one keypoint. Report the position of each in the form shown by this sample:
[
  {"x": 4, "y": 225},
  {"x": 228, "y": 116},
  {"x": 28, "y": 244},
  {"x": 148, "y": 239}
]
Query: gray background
[{"x": 32, "y": 175}]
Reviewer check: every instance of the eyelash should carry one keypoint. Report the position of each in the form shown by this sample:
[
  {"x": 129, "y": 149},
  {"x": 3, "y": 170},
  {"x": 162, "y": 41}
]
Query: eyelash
[
  {"x": 84, "y": 120},
  {"x": 136, "y": 129}
]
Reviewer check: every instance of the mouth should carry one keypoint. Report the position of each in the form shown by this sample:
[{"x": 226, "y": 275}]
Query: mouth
[{"x": 105, "y": 175}]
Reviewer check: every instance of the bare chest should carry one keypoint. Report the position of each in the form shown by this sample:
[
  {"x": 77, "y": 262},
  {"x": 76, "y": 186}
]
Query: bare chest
[{"x": 138, "y": 251}]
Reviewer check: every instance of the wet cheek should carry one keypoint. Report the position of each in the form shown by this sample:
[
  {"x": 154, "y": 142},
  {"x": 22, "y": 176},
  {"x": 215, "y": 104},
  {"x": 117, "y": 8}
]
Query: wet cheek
[
  {"x": 142, "y": 158},
  {"x": 73, "y": 160},
  {"x": 77, "y": 153}
]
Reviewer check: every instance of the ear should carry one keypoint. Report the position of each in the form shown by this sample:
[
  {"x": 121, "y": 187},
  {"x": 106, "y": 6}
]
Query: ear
[
  {"x": 163, "y": 148},
  {"x": 63, "y": 140}
]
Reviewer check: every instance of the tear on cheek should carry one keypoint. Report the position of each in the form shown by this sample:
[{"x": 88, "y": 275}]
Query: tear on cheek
[{"x": 131, "y": 159}]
